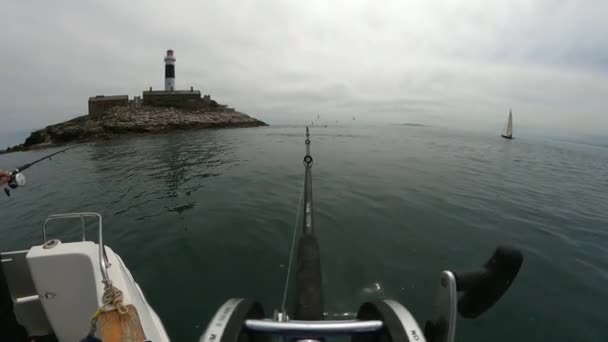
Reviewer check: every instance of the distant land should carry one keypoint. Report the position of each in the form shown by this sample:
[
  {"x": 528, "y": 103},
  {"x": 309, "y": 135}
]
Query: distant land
[
  {"x": 592, "y": 141},
  {"x": 413, "y": 124}
]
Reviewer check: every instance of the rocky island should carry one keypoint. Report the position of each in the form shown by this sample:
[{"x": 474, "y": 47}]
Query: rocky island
[
  {"x": 134, "y": 118},
  {"x": 156, "y": 111}
]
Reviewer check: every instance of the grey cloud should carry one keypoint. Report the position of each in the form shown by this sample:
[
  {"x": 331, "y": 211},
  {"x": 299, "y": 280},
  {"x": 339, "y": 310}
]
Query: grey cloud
[{"x": 440, "y": 62}]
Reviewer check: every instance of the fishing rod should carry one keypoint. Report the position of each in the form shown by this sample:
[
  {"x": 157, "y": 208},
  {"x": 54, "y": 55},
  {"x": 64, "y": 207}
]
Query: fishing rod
[
  {"x": 16, "y": 177},
  {"x": 469, "y": 294},
  {"x": 309, "y": 300}
]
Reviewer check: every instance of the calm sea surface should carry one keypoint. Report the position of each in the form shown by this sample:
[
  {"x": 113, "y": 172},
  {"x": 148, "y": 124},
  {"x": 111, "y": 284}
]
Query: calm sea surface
[{"x": 203, "y": 216}]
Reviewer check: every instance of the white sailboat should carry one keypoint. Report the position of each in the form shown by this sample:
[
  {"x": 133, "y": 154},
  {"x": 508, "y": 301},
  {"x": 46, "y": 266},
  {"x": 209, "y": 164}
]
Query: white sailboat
[{"x": 508, "y": 132}]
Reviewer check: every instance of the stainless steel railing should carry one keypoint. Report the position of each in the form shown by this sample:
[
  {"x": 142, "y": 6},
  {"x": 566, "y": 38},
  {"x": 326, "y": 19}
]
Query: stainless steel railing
[
  {"x": 315, "y": 328},
  {"x": 104, "y": 264}
]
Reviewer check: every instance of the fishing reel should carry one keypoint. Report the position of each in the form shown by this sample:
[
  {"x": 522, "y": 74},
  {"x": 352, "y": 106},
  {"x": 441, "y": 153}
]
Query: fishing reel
[
  {"x": 466, "y": 293},
  {"x": 16, "y": 179}
]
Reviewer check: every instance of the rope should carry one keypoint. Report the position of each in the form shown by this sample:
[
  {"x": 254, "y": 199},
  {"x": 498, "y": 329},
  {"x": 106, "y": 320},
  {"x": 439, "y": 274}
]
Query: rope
[
  {"x": 293, "y": 243},
  {"x": 93, "y": 325},
  {"x": 112, "y": 296}
]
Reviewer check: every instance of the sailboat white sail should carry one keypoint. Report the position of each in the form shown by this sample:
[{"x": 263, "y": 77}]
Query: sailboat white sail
[{"x": 508, "y": 133}]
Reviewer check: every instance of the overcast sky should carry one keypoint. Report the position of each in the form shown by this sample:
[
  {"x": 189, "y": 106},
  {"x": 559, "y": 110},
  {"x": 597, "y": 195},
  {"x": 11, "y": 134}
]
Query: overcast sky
[{"x": 461, "y": 63}]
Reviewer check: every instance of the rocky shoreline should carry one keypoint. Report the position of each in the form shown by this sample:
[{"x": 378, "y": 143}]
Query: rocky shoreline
[{"x": 127, "y": 120}]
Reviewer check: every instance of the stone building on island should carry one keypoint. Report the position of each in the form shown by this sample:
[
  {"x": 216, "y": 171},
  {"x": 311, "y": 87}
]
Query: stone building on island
[
  {"x": 183, "y": 99},
  {"x": 100, "y": 103}
]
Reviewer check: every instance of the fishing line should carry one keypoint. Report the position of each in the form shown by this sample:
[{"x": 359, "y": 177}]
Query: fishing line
[{"x": 293, "y": 243}]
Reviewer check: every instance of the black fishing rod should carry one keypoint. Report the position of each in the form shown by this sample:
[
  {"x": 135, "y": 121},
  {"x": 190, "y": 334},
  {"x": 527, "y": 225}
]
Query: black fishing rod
[
  {"x": 309, "y": 299},
  {"x": 468, "y": 294},
  {"x": 17, "y": 179}
]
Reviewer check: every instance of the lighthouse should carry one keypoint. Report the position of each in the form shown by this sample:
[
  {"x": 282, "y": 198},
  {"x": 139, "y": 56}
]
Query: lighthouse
[{"x": 169, "y": 71}]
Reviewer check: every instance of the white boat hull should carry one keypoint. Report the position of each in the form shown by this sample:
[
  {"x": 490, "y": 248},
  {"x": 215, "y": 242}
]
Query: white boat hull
[{"x": 57, "y": 287}]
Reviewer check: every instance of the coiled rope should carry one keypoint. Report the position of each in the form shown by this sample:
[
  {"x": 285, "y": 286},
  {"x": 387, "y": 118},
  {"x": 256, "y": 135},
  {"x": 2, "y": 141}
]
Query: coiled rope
[{"x": 112, "y": 297}]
